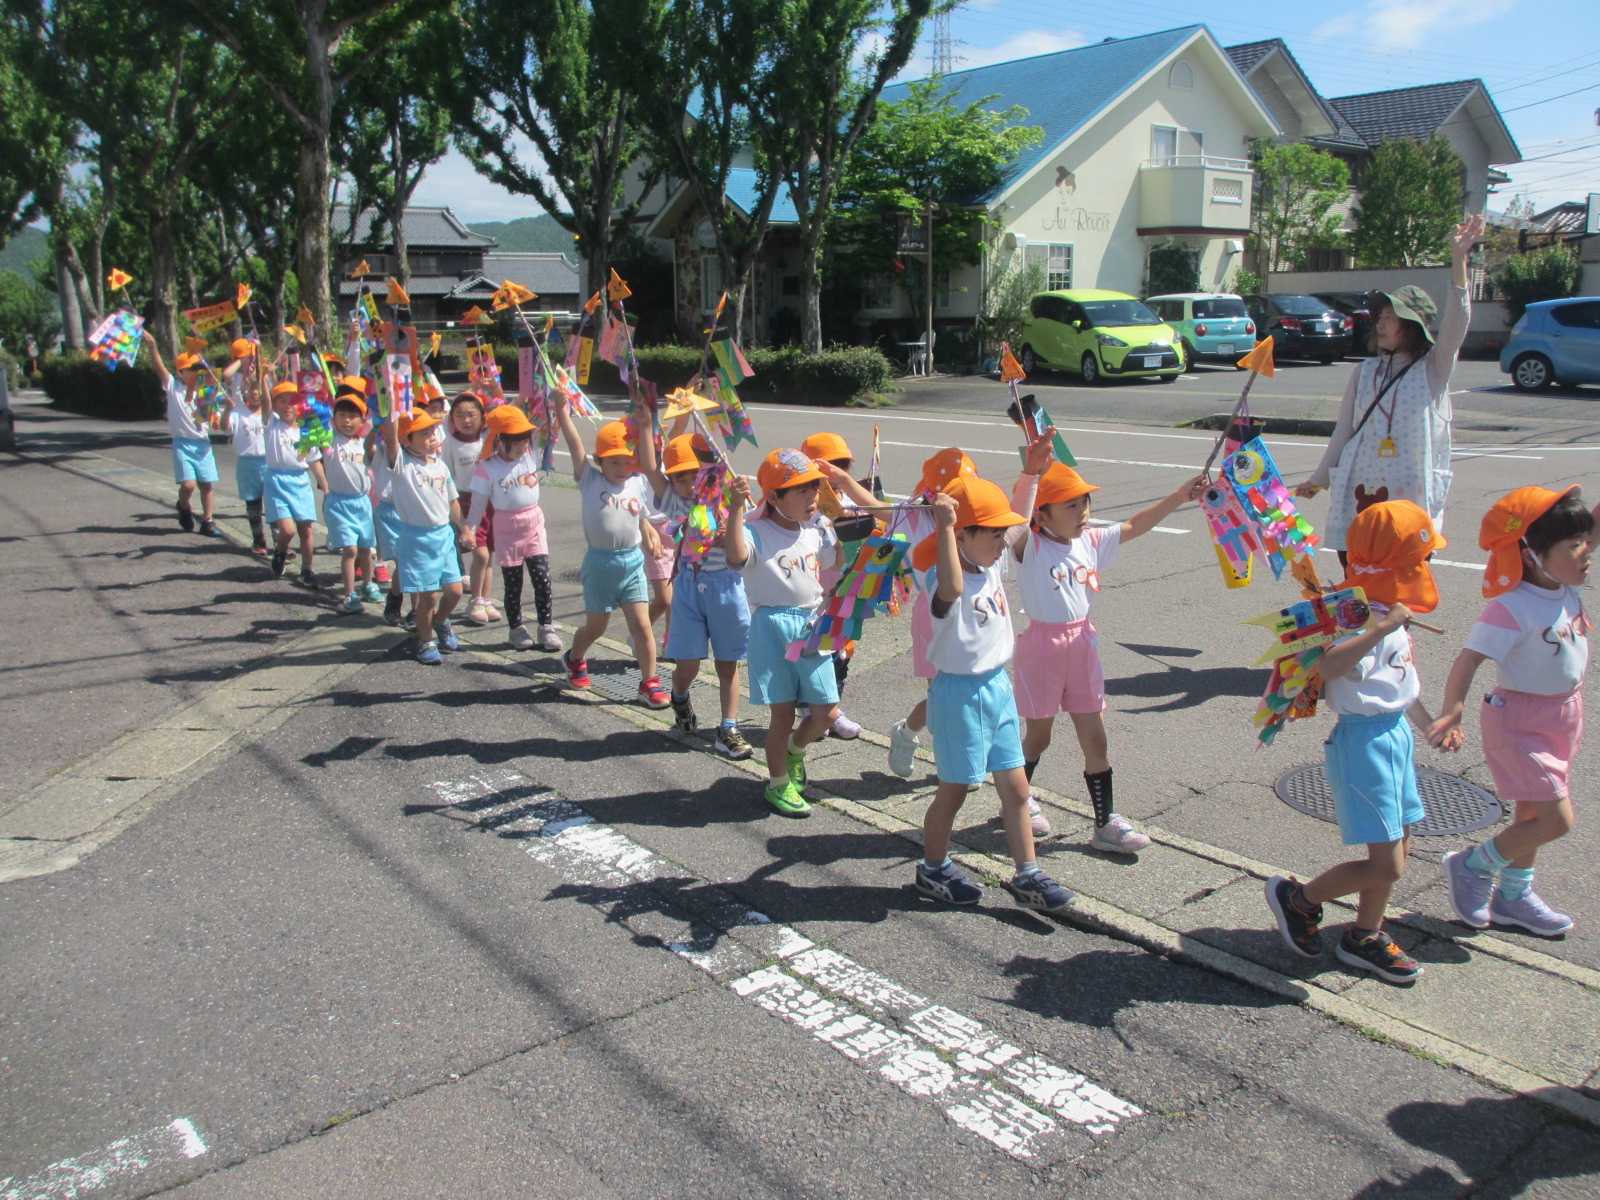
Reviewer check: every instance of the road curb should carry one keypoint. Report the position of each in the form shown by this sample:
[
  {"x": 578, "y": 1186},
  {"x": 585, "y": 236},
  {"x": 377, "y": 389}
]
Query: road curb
[{"x": 1298, "y": 426}]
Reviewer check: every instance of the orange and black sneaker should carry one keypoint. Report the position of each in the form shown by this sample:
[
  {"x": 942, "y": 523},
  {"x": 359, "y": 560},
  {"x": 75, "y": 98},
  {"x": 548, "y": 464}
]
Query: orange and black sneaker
[
  {"x": 1297, "y": 919},
  {"x": 1377, "y": 952}
]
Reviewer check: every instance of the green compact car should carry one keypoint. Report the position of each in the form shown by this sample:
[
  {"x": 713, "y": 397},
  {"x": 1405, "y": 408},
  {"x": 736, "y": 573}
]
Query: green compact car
[{"x": 1100, "y": 335}]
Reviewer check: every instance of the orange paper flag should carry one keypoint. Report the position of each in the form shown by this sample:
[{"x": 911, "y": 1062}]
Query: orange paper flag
[
  {"x": 244, "y": 295},
  {"x": 1010, "y": 368},
  {"x": 118, "y": 279},
  {"x": 476, "y": 316},
  {"x": 397, "y": 294},
  {"x": 592, "y": 303},
  {"x": 1259, "y": 360},
  {"x": 435, "y": 340},
  {"x": 617, "y": 289},
  {"x": 194, "y": 344},
  {"x": 304, "y": 317},
  {"x": 361, "y": 269},
  {"x": 512, "y": 295},
  {"x": 295, "y": 332}
]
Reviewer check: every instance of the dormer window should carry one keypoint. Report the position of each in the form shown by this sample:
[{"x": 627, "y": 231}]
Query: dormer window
[{"x": 1181, "y": 76}]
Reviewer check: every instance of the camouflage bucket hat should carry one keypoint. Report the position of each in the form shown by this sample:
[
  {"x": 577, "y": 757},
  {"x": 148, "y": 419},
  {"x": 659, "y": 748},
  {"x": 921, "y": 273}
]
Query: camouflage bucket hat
[{"x": 1410, "y": 303}]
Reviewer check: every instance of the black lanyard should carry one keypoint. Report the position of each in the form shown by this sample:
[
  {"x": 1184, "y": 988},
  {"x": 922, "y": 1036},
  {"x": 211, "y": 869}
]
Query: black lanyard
[{"x": 1378, "y": 399}]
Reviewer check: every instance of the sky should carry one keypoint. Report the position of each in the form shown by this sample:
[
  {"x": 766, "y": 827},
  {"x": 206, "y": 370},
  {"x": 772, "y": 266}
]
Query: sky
[{"x": 1539, "y": 58}]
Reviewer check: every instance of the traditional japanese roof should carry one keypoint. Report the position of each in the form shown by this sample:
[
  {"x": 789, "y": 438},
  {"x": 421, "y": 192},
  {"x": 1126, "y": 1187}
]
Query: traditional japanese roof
[
  {"x": 547, "y": 272},
  {"x": 426, "y": 228},
  {"x": 417, "y": 285}
]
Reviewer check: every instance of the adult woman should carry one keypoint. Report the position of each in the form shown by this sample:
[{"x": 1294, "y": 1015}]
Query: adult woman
[{"x": 1392, "y": 440}]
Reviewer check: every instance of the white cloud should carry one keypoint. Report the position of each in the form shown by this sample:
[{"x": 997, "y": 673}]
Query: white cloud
[
  {"x": 1393, "y": 27},
  {"x": 452, "y": 181},
  {"x": 1029, "y": 44},
  {"x": 1338, "y": 27}
]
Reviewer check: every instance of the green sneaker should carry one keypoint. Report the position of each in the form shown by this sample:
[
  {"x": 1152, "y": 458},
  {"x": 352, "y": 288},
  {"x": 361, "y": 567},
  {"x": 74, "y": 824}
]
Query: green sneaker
[
  {"x": 787, "y": 799},
  {"x": 797, "y": 771}
]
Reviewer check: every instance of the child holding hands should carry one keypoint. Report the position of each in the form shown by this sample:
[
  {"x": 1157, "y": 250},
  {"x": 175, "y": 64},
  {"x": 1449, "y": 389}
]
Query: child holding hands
[
  {"x": 288, "y": 501},
  {"x": 1540, "y": 543}
]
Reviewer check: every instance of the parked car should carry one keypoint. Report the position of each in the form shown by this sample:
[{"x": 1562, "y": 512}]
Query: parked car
[
  {"x": 1302, "y": 326},
  {"x": 1353, "y": 305},
  {"x": 1556, "y": 341},
  {"x": 1100, "y": 335},
  {"x": 1210, "y": 325}
]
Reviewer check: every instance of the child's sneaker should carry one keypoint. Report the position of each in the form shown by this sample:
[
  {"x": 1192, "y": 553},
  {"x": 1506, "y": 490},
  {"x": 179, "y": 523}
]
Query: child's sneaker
[
  {"x": 381, "y": 573},
  {"x": 844, "y": 728},
  {"x": 683, "y": 714},
  {"x": 308, "y": 579},
  {"x": 1530, "y": 913},
  {"x": 446, "y": 635},
  {"x": 1298, "y": 927},
  {"x": 208, "y": 528},
  {"x": 259, "y": 548},
  {"x": 1038, "y": 891},
  {"x": 948, "y": 883},
  {"x": 521, "y": 639},
  {"x": 797, "y": 770},
  {"x": 1036, "y": 818},
  {"x": 786, "y": 799},
  {"x": 1117, "y": 836},
  {"x": 577, "y": 672},
  {"x": 409, "y": 621},
  {"x": 391, "y": 609},
  {"x": 428, "y": 654},
  {"x": 490, "y": 611},
  {"x": 350, "y": 604},
  {"x": 549, "y": 639},
  {"x": 370, "y": 592},
  {"x": 653, "y": 694},
  {"x": 730, "y": 743},
  {"x": 478, "y": 611},
  {"x": 280, "y": 559},
  {"x": 902, "y": 749},
  {"x": 185, "y": 519},
  {"x": 1377, "y": 952},
  {"x": 1470, "y": 892}
]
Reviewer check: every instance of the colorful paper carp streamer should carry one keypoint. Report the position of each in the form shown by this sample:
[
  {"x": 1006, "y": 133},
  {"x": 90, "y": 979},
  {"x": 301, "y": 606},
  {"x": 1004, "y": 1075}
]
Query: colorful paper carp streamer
[
  {"x": 864, "y": 590},
  {"x": 709, "y": 514},
  {"x": 1233, "y": 535},
  {"x": 483, "y": 372},
  {"x": 1265, "y": 501},
  {"x": 1304, "y": 631},
  {"x": 316, "y": 426},
  {"x": 116, "y": 340}
]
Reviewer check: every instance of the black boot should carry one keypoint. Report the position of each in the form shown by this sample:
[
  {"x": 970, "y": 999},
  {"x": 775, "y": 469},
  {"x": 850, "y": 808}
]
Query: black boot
[{"x": 258, "y": 527}]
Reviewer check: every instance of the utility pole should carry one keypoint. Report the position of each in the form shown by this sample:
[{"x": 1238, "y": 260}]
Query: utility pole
[{"x": 943, "y": 48}]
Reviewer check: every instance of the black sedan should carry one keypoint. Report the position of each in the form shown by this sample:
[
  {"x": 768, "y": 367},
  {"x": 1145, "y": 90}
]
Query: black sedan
[{"x": 1302, "y": 326}]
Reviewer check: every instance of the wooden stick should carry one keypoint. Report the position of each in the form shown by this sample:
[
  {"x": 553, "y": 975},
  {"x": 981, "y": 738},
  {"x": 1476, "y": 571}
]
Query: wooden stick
[{"x": 1424, "y": 625}]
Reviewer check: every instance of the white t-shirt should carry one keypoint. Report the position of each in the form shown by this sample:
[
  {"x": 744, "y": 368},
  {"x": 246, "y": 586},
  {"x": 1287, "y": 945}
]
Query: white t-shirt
[
  {"x": 974, "y": 636},
  {"x": 462, "y": 458},
  {"x": 382, "y": 475},
  {"x": 345, "y": 464},
  {"x": 510, "y": 486},
  {"x": 245, "y": 428},
  {"x": 783, "y": 567},
  {"x": 1384, "y": 681},
  {"x": 1537, "y": 637},
  {"x": 182, "y": 418},
  {"x": 611, "y": 511},
  {"x": 1057, "y": 581},
  {"x": 421, "y": 490},
  {"x": 280, "y": 440}
]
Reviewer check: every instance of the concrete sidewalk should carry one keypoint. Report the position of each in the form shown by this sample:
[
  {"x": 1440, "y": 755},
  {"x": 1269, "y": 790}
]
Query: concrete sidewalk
[{"x": 1190, "y": 901}]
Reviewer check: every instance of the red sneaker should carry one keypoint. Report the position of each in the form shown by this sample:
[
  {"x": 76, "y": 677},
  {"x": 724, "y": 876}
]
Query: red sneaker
[
  {"x": 653, "y": 694},
  {"x": 577, "y": 672},
  {"x": 380, "y": 573}
]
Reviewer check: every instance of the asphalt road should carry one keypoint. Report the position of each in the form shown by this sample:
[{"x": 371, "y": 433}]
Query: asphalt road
[{"x": 349, "y": 959}]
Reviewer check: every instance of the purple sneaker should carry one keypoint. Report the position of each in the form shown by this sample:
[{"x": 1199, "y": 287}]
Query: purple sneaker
[
  {"x": 844, "y": 728},
  {"x": 1470, "y": 892},
  {"x": 1529, "y": 912}
]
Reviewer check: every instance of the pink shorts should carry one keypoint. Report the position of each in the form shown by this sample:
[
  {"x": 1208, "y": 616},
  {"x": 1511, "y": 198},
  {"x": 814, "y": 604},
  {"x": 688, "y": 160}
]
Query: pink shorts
[
  {"x": 518, "y": 535},
  {"x": 660, "y": 567},
  {"x": 921, "y": 635},
  {"x": 1058, "y": 670},
  {"x": 1530, "y": 742}
]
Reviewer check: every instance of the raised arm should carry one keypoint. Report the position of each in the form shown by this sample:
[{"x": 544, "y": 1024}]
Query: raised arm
[
  {"x": 391, "y": 442},
  {"x": 948, "y": 583},
  {"x": 569, "y": 431},
  {"x": 1143, "y": 521},
  {"x": 733, "y": 545},
  {"x": 1457, "y": 312},
  {"x": 164, "y": 375}
]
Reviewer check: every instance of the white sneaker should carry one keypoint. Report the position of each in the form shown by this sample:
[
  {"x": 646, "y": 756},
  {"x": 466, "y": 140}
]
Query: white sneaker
[
  {"x": 549, "y": 639},
  {"x": 902, "y": 749},
  {"x": 521, "y": 639},
  {"x": 1036, "y": 818},
  {"x": 1117, "y": 836}
]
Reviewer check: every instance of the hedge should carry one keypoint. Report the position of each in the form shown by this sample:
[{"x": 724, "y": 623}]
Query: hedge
[{"x": 76, "y": 383}]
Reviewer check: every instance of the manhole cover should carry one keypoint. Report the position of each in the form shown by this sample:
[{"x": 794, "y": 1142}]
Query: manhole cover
[
  {"x": 1451, "y": 803},
  {"x": 623, "y": 683}
]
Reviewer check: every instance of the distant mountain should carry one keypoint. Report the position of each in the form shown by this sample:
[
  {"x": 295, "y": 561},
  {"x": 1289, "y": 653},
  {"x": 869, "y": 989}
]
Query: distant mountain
[
  {"x": 527, "y": 233},
  {"x": 21, "y": 250}
]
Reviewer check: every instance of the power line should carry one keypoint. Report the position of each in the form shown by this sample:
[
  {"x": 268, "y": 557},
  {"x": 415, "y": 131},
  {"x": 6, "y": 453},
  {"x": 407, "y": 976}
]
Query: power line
[{"x": 1563, "y": 96}]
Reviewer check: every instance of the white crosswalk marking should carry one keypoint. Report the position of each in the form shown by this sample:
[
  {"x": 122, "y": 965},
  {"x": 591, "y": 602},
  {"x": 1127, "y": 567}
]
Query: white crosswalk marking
[{"x": 72, "y": 1177}]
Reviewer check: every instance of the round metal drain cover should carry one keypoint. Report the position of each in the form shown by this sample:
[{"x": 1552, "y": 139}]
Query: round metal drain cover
[{"x": 1451, "y": 803}]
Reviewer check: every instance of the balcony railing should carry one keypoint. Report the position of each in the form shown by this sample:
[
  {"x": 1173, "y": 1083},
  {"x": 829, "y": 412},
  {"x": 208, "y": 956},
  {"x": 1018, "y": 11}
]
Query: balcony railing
[{"x": 1199, "y": 160}]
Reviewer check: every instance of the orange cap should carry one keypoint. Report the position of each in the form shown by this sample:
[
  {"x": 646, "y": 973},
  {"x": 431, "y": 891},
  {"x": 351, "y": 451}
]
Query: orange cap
[
  {"x": 684, "y": 453},
  {"x": 1502, "y": 531},
  {"x": 950, "y": 463},
  {"x": 187, "y": 361},
  {"x": 1060, "y": 482},
  {"x": 978, "y": 502},
  {"x": 785, "y": 468},
  {"x": 611, "y": 438},
  {"x": 285, "y": 389},
  {"x": 347, "y": 398},
  {"x": 1388, "y": 546},
  {"x": 431, "y": 390},
  {"x": 825, "y": 447},
  {"x": 243, "y": 348},
  {"x": 353, "y": 383},
  {"x": 416, "y": 421},
  {"x": 508, "y": 420}
]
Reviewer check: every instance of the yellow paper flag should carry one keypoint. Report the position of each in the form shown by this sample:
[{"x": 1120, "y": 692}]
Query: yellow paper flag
[
  {"x": 296, "y": 333},
  {"x": 118, "y": 279},
  {"x": 1259, "y": 360},
  {"x": 476, "y": 316},
  {"x": 212, "y": 316},
  {"x": 512, "y": 295},
  {"x": 361, "y": 269},
  {"x": 304, "y": 317},
  {"x": 617, "y": 288},
  {"x": 397, "y": 294},
  {"x": 244, "y": 295},
  {"x": 435, "y": 340}
]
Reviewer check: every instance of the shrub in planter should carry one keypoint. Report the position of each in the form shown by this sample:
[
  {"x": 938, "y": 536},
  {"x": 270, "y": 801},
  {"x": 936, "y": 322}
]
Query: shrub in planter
[{"x": 78, "y": 384}]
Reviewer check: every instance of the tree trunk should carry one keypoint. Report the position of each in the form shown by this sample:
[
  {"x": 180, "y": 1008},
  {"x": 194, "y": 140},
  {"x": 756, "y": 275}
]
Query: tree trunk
[
  {"x": 72, "y": 329},
  {"x": 163, "y": 300},
  {"x": 311, "y": 225},
  {"x": 811, "y": 291},
  {"x": 398, "y": 198}
]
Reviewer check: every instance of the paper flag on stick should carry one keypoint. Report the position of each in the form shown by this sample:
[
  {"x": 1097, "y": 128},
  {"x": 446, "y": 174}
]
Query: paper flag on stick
[
  {"x": 242, "y": 297},
  {"x": 296, "y": 333},
  {"x": 476, "y": 316},
  {"x": 194, "y": 344},
  {"x": 681, "y": 402},
  {"x": 735, "y": 370},
  {"x": 118, "y": 279},
  {"x": 1259, "y": 360},
  {"x": 397, "y": 297},
  {"x": 1285, "y": 534},
  {"x": 616, "y": 288},
  {"x": 361, "y": 270},
  {"x": 212, "y": 316},
  {"x": 1010, "y": 369},
  {"x": 592, "y": 303},
  {"x": 304, "y": 317},
  {"x": 435, "y": 340},
  {"x": 1030, "y": 416},
  {"x": 512, "y": 295}
]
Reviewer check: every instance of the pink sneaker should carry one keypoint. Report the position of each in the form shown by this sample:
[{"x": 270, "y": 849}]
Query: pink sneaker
[
  {"x": 844, "y": 728},
  {"x": 1117, "y": 836}
]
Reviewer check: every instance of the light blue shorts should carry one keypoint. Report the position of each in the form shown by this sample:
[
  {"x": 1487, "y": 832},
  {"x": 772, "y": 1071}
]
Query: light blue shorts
[
  {"x": 1373, "y": 776},
  {"x": 776, "y": 680},
  {"x": 386, "y": 519},
  {"x": 709, "y": 611},
  {"x": 288, "y": 494},
  {"x": 249, "y": 470},
  {"x": 192, "y": 460},
  {"x": 973, "y": 721},
  {"x": 427, "y": 557},
  {"x": 612, "y": 578},
  {"x": 348, "y": 516}
]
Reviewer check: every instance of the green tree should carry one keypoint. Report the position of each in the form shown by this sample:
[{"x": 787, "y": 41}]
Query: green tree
[
  {"x": 1412, "y": 194},
  {"x": 1552, "y": 273},
  {"x": 1295, "y": 187},
  {"x": 35, "y": 134},
  {"x": 26, "y": 310}
]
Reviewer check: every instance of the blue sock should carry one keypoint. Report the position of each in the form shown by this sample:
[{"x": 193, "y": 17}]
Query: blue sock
[
  {"x": 727, "y": 722},
  {"x": 935, "y": 868},
  {"x": 1485, "y": 859},
  {"x": 677, "y": 699},
  {"x": 1031, "y": 867},
  {"x": 1515, "y": 882}
]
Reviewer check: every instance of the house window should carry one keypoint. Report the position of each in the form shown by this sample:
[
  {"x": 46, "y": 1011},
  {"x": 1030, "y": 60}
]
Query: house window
[
  {"x": 425, "y": 264},
  {"x": 1163, "y": 145},
  {"x": 941, "y": 297},
  {"x": 1227, "y": 191},
  {"x": 877, "y": 292},
  {"x": 710, "y": 282},
  {"x": 1054, "y": 262},
  {"x": 1181, "y": 76}
]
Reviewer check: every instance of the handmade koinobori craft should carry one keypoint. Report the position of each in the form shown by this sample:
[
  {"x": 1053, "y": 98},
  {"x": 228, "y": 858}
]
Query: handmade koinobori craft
[
  {"x": 1284, "y": 535},
  {"x": 116, "y": 340},
  {"x": 864, "y": 590},
  {"x": 1304, "y": 631}
]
